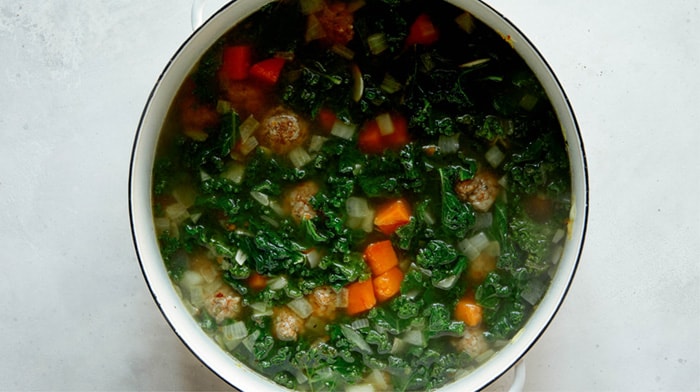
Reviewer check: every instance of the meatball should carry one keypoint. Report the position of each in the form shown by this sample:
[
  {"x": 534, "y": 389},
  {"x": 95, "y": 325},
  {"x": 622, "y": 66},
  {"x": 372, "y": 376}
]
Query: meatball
[
  {"x": 247, "y": 98},
  {"x": 298, "y": 201},
  {"x": 337, "y": 23},
  {"x": 286, "y": 325},
  {"x": 282, "y": 130},
  {"x": 323, "y": 302},
  {"x": 224, "y": 303},
  {"x": 480, "y": 191},
  {"x": 472, "y": 342}
]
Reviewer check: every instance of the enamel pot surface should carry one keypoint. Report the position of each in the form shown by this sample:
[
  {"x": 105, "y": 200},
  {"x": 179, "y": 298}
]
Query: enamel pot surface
[{"x": 156, "y": 275}]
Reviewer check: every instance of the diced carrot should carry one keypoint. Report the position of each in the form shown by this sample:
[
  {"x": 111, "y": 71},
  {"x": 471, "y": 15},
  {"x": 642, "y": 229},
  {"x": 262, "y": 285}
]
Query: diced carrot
[
  {"x": 235, "y": 62},
  {"x": 371, "y": 140},
  {"x": 257, "y": 281},
  {"x": 380, "y": 257},
  {"x": 469, "y": 311},
  {"x": 268, "y": 71},
  {"x": 422, "y": 32},
  {"x": 360, "y": 297},
  {"x": 326, "y": 119},
  {"x": 399, "y": 137},
  {"x": 392, "y": 215},
  {"x": 387, "y": 284}
]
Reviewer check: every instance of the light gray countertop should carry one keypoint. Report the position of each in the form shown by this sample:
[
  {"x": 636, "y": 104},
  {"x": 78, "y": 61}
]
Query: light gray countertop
[{"x": 76, "y": 313}]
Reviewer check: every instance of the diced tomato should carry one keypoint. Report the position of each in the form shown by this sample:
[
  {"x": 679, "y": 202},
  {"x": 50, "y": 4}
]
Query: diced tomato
[
  {"x": 370, "y": 139},
  {"x": 235, "y": 62},
  {"x": 422, "y": 32},
  {"x": 268, "y": 71},
  {"x": 326, "y": 119}
]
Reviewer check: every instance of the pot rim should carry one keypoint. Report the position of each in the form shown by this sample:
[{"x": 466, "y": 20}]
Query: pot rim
[{"x": 220, "y": 362}]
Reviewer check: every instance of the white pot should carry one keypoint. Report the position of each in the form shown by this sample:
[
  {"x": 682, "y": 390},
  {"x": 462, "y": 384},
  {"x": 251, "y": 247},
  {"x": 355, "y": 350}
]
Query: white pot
[{"x": 162, "y": 289}]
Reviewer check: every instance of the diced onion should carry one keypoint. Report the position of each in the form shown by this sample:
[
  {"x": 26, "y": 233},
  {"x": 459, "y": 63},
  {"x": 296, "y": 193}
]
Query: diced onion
[
  {"x": 556, "y": 254},
  {"x": 474, "y": 63},
  {"x": 248, "y": 145},
  {"x": 190, "y": 279},
  {"x": 386, "y": 125},
  {"x": 196, "y": 295},
  {"x": 301, "y": 307},
  {"x": 314, "y": 30},
  {"x": 343, "y": 51},
  {"x": 357, "y": 206},
  {"x": 204, "y": 175},
  {"x": 494, "y": 156},
  {"x": 398, "y": 346},
  {"x": 234, "y": 172},
  {"x": 427, "y": 61},
  {"x": 503, "y": 182},
  {"x": 448, "y": 144},
  {"x": 341, "y": 300},
  {"x": 185, "y": 196},
  {"x": 377, "y": 43},
  {"x": 390, "y": 85},
  {"x": 483, "y": 220},
  {"x": 240, "y": 257},
  {"x": 377, "y": 379},
  {"x": 360, "y": 388},
  {"x": 260, "y": 309},
  {"x": 162, "y": 224},
  {"x": 447, "y": 283},
  {"x": 343, "y": 130},
  {"x": 176, "y": 212},
  {"x": 299, "y": 157},
  {"x": 355, "y": 338},
  {"x": 316, "y": 143},
  {"x": 367, "y": 224},
  {"x": 481, "y": 358},
  {"x": 249, "y": 341},
  {"x": 248, "y": 127},
  {"x": 310, "y": 6},
  {"x": 528, "y": 102},
  {"x": 360, "y": 323},
  {"x": 313, "y": 257},
  {"x": 223, "y": 107},
  {"x": 234, "y": 331},
  {"x": 260, "y": 197},
  {"x": 493, "y": 249},
  {"x": 558, "y": 236},
  {"x": 414, "y": 337},
  {"x": 466, "y": 22},
  {"x": 277, "y": 283},
  {"x": 533, "y": 292},
  {"x": 196, "y": 134},
  {"x": 472, "y": 246}
]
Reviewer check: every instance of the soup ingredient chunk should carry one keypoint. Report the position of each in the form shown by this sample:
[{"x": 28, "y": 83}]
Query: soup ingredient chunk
[
  {"x": 336, "y": 20},
  {"x": 298, "y": 201},
  {"x": 286, "y": 325},
  {"x": 224, "y": 304},
  {"x": 283, "y": 130},
  {"x": 480, "y": 191},
  {"x": 323, "y": 302}
]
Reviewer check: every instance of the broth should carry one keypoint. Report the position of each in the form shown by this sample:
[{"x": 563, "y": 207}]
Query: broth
[{"x": 363, "y": 193}]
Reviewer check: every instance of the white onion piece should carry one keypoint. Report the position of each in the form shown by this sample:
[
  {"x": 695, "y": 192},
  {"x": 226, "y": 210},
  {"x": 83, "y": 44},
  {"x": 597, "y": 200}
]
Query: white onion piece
[
  {"x": 360, "y": 388},
  {"x": 234, "y": 331},
  {"x": 414, "y": 337},
  {"x": 260, "y": 198},
  {"x": 448, "y": 144},
  {"x": 377, "y": 43},
  {"x": 277, "y": 283},
  {"x": 355, "y": 338},
  {"x": 343, "y": 51},
  {"x": 240, "y": 257},
  {"x": 248, "y": 127},
  {"x": 316, "y": 143},
  {"x": 234, "y": 172},
  {"x": 248, "y": 145},
  {"x": 357, "y": 206},
  {"x": 313, "y": 257},
  {"x": 314, "y": 30},
  {"x": 494, "y": 156},
  {"x": 343, "y": 130},
  {"x": 360, "y": 323},
  {"x": 301, "y": 307},
  {"x": 386, "y": 125},
  {"x": 299, "y": 157},
  {"x": 466, "y": 22}
]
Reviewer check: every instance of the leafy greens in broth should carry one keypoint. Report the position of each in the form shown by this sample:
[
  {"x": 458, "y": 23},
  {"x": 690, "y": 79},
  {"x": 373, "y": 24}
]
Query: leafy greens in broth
[{"x": 361, "y": 192}]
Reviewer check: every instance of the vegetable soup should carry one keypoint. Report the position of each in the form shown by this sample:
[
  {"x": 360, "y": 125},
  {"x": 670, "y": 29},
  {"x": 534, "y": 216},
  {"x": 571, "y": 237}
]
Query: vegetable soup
[{"x": 366, "y": 194}]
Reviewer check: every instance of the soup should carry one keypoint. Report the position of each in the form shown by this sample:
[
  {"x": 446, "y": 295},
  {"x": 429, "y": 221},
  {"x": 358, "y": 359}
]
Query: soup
[{"x": 367, "y": 194}]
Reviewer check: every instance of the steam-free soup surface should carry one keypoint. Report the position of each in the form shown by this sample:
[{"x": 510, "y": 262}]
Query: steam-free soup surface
[{"x": 364, "y": 193}]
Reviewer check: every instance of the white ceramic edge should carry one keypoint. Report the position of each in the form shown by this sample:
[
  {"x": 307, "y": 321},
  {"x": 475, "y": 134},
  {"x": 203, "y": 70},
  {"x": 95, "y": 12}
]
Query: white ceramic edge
[{"x": 162, "y": 289}]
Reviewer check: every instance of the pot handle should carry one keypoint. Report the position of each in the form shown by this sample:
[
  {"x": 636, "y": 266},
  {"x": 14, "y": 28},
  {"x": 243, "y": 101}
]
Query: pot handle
[
  {"x": 197, "y": 11},
  {"x": 519, "y": 378}
]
